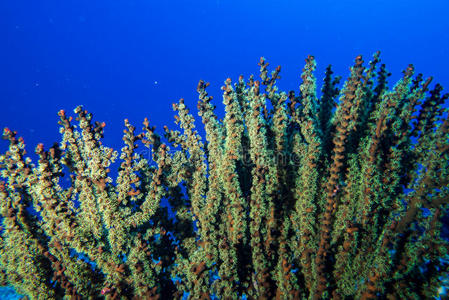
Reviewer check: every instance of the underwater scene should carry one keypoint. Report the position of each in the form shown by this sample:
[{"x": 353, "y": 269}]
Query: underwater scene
[{"x": 224, "y": 149}]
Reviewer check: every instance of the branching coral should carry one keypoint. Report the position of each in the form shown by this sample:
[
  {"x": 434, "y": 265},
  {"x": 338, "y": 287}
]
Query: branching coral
[{"x": 290, "y": 196}]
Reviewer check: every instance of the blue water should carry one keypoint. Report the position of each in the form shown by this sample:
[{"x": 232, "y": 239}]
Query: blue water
[{"x": 133, "y": 58}]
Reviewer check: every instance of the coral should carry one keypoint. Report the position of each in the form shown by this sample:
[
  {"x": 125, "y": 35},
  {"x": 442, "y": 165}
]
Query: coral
[{"x": 290, "y": 196}]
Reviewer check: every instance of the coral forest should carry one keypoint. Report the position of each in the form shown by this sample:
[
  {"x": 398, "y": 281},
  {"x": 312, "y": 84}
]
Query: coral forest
[{"x": 336, "y": 192}]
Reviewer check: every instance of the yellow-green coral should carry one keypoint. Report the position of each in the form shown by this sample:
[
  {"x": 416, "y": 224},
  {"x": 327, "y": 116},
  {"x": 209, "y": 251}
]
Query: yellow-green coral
[{"x": 291, "y": 196}]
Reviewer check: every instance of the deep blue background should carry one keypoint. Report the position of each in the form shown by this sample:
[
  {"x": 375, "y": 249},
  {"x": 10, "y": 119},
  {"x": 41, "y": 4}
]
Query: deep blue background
[{"x": 133, "y": 58}]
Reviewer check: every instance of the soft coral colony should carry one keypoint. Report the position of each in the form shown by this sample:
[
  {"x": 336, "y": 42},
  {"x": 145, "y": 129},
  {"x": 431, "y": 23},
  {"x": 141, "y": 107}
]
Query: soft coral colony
[{"x": 301, "y": 197}]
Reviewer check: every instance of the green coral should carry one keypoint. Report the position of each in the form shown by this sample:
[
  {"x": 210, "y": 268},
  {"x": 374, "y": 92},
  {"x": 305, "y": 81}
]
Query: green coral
[{"x": 285, "y": 198}]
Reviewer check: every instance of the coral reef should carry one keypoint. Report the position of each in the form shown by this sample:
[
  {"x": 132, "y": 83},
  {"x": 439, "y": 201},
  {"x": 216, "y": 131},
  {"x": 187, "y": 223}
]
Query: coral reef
[{"x": 289, "y": 196}]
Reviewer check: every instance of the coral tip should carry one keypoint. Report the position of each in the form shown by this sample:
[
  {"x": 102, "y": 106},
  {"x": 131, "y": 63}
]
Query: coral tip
[{"x": 105, "y": 291}]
